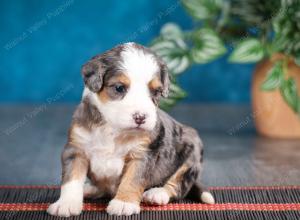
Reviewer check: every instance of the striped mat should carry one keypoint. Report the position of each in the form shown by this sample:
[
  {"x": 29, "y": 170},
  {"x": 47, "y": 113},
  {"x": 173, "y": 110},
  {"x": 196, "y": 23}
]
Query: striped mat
[{"x": 277, "y": 202}]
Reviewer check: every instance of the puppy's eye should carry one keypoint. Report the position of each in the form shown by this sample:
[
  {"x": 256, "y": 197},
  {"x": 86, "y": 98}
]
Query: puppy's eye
[{"x": 120, "y": 88}]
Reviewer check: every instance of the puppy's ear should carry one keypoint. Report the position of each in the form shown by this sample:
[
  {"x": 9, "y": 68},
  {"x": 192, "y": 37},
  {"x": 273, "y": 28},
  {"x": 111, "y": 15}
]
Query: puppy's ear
[
  {"x": 93, "y": 73},
  {"x": 165, "y": 78}
]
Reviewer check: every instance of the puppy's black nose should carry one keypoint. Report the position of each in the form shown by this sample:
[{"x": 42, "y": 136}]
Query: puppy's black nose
[{"x": 139, "y": 118}]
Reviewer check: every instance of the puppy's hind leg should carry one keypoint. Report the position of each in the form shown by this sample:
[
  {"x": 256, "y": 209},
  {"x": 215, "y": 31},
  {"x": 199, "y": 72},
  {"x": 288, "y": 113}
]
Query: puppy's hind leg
[
  {"x": 176, "y": 187},
  {"x": 191, "y": 136},
  {"x": 186, "y": 176}
]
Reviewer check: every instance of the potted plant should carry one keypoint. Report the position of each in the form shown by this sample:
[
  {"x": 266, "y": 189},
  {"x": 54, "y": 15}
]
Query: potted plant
[{"x": 264, "y": 32}]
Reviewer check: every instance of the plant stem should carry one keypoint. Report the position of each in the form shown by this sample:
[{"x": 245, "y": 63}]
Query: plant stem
[
  {"x": 224, "y": 16},
  {"x": 285, "y": 66}
]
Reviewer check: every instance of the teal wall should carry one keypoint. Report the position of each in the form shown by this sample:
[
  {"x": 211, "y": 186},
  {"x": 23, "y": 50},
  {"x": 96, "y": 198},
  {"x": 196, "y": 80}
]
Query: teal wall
[{"x": 44, "y": 43}]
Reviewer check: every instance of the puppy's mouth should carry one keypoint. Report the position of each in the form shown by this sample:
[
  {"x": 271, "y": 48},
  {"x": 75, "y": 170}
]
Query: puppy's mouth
[{"x": 137, "y": 128}]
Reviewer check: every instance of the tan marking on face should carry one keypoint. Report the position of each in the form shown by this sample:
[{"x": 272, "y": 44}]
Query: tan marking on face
[
  {"x": 120, "y": 78},
  {"x": 130, "y": 189},
  {"x": 154, "y": 84},
  {"x": 103, "y": 96},
  {"x": 173, "y": 184}
]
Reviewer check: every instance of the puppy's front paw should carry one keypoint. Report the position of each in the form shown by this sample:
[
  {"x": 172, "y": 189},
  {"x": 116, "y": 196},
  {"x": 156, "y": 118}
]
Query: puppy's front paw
[
  {"x": 118, "y": 207},
  {"x": 158, "y": 196},
  {"x": 65, "y": 208}
]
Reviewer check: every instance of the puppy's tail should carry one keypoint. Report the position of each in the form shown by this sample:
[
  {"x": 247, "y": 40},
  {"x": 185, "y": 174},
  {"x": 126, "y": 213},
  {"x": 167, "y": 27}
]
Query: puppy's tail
[{"x": 203, "y": 194}]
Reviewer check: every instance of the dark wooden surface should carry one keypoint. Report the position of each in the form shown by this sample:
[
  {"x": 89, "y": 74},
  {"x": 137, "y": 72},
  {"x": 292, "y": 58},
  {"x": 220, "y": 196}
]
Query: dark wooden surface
[{"x": 32, "y": 138}]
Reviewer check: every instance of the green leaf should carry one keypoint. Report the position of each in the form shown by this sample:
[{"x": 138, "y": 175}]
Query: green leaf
[
  {"x": 247, "y": 51},
  {"x": 202, "y": 9},
  {"x": 171, "y": 31},
  {"x": 274, "y": 77},
  {"x": 278, "y": 43},
  {"x": 178, "y": 65},
  {"x": 289, "y": 93},
  {"x": 174, "y": 52},
  {"x": 166, "y": 104},
  {"x": 175, "y": 94},
  {"x": 207, "y": 46},
  {"x": 176, "y": 91}
]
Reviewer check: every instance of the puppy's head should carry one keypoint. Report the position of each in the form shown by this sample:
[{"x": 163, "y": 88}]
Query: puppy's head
[{"x": 126, "y": 83}]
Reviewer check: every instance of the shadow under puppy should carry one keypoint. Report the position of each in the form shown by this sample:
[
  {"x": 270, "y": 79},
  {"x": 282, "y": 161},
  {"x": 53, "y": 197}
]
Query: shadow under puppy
[{"x": 121, "y": 144}]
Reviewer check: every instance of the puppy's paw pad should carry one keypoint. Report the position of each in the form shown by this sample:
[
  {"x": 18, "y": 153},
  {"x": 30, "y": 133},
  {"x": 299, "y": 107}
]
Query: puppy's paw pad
[
  {"x": 65, "y": 208},
  {"x": 158, "y": 196},
  {"x": 118, "y": 207}
]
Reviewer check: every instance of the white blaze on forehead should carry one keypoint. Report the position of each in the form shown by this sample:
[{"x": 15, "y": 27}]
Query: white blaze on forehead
[{"x": 138, "y": 64}]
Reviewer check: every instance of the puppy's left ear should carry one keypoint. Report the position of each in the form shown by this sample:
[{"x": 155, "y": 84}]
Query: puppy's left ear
[
  {"x": 93, "y": 73},
  {"x": 165, "y": 78}
]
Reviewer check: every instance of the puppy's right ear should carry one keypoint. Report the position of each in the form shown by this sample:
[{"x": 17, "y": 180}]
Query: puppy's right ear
[{"x": 93, "y": 73}]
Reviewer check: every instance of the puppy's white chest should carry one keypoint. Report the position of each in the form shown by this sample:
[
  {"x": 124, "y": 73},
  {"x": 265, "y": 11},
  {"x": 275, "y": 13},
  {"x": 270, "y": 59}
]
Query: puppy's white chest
[
  {"x": 106, "y": 167},
  {"x": 106, "y": 158}
]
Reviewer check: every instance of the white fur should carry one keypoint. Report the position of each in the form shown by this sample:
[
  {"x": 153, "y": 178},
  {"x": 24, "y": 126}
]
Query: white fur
[
  {"x": 207, "y": 198},
  {"x": 118, "y": 207},
  {"x": 140, "y": 68},
  {"x": 158, "y": 196},
  {"x": 70, "y": 201},
  {"x": 106, "y": 157},
  {"x": 138, "y": 65}
]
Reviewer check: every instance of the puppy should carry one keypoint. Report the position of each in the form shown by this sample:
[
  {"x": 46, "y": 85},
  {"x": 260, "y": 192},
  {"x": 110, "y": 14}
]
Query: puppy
[{"x": 121, "y": 145}]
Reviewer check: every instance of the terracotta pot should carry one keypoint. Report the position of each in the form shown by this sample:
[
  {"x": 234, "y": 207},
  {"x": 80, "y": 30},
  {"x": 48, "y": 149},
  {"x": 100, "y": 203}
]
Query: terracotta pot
[{"x": 272, "y": 116}]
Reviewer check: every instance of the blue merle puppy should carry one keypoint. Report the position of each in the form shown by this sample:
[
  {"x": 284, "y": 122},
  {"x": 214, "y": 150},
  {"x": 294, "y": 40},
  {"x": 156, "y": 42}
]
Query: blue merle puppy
[{"x": 121, "y": 144}]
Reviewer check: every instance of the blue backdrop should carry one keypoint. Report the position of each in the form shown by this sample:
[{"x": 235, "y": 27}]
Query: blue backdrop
[{"x": 44, "y": 43}]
